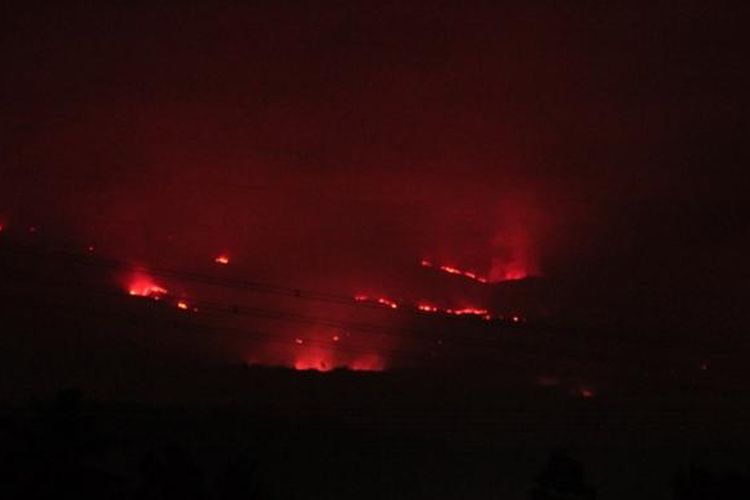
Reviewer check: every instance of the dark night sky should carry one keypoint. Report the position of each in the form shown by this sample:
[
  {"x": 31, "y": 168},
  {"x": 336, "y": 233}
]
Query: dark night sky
[{"x": 599, "y": 144}]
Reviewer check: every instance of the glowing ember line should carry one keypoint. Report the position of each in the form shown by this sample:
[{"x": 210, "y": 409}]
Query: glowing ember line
[
  {"x": 383, "y": 301},
  {"x": 454, "y": 270},
  {"x": 427, "y": 308},
  {"x": 468, "y": 310},
  {"x": 149, "y": 291},
  {"x": 387, "y": 302},
  {"x": 450, "y": 270}
]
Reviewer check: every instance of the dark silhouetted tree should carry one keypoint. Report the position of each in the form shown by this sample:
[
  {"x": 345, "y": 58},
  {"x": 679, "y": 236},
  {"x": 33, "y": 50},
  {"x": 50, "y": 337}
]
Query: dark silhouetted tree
[
  {"x": 562, "y": 478},
  {"x": 171, "y": 474},
  {"x": 239, "y": 479},
  {"x": 697, "y": 483}
]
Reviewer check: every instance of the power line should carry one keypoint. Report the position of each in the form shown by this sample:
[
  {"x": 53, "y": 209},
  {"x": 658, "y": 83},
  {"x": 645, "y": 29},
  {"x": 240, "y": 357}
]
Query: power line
[{"x": 96, "y": 261}]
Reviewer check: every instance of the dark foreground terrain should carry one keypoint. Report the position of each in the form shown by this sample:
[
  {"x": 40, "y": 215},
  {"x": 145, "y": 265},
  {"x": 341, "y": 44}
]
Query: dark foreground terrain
[{"x": 345, "y": 435}]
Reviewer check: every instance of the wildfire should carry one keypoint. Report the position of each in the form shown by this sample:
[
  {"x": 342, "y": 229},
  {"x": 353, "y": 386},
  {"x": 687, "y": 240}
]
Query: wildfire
[
  {"x": 427, "y": 308},
  {"x": 181, "y": 304},
  {"x": 471, "y": 311},
  {"x": 153, "y": 291},
  {"x": 312, "y": 364},
  {"x": 383, "y": 301},
  {"x": 222, "y": 259},
  {"x": 387, "y": 302},
  {"x": 321, "y": 362},
  {"x": 455, "y": 270},
  {"x": 474, "y": 311},
  {"x": 371, "y": 363},
  {"x": 143, "y": 286},
  {"x": 515, "y": 275}
]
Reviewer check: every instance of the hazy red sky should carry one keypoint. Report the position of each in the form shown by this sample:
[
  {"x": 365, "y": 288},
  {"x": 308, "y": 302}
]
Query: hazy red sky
[{"x": 598, "y": 141}]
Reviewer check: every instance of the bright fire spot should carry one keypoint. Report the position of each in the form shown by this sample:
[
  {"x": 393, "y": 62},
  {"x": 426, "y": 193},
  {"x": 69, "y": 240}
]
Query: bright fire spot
[
  {"x": 299, "y": 341},
  {"x": 425, "y": 263},
  {"x": 222, "y": 259},
  {"x": 361, "y": 298},
  {"x": 451, "y": 270},
  {"x": 335, "y": 338},
  {"x": 387, "y": 302},
  {"x": 427, "y": 307},
  {"x": 181, "y": 304},
  {"x": 515, "y": 318},
  {"x": 145, "y": 287}
]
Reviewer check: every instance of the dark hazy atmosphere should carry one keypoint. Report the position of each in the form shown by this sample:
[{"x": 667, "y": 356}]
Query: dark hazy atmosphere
[{"x": 492, "y": 229}]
